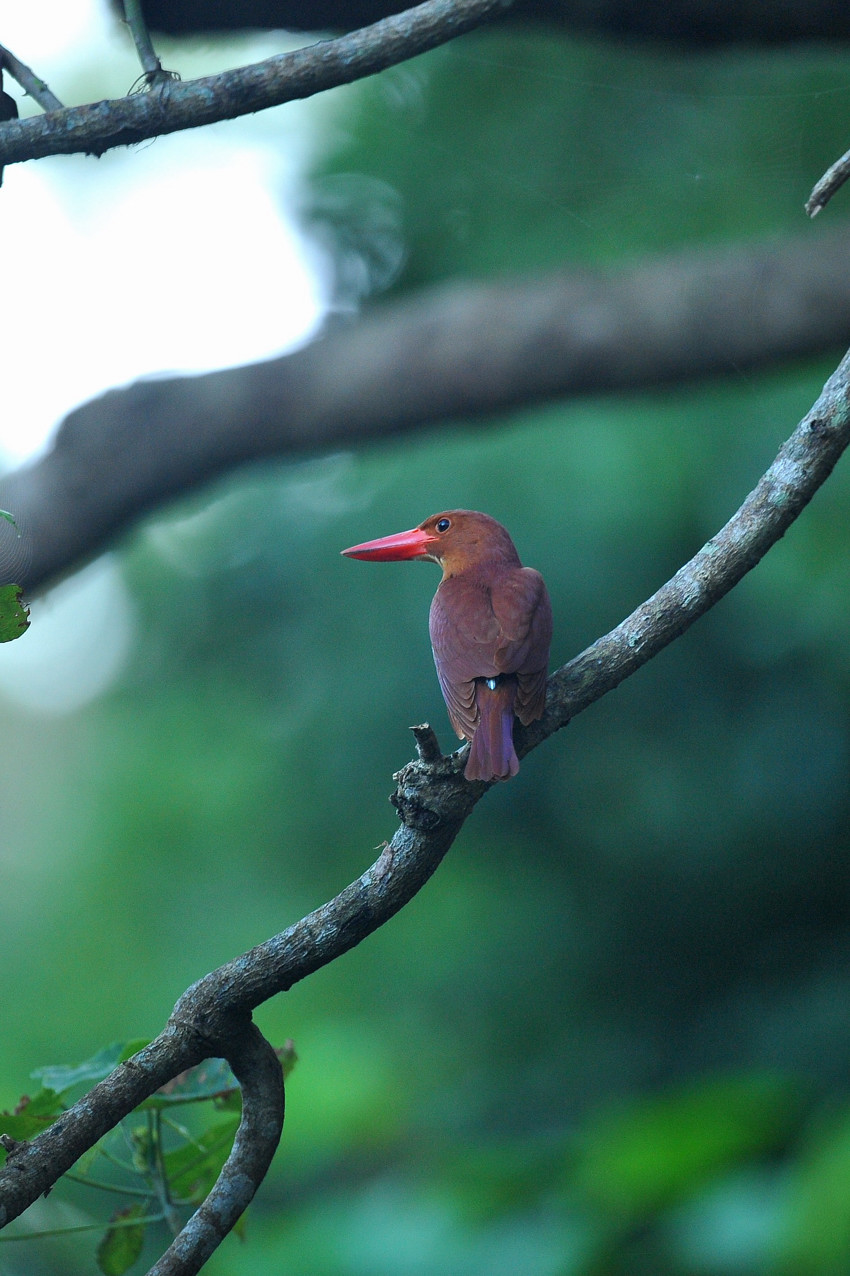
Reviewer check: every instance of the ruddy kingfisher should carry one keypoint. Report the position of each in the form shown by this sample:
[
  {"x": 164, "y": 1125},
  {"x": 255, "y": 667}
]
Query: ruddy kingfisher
[{"x": 490, "y": 625}]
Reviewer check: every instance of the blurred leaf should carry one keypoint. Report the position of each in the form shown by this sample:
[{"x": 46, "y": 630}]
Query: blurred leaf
[
  {"x": 209, "y": 1080},
  {"x": 144, "y": 1147},
  {"x": 817, "y": 1241},
  {"x": 32, "y": 1115},
  {"x": 360, "y": 219},
  {"x": 123, "y": 1242},
  {"x": 493, "y": 1179},
  {"x": 191, "y": 1170},
  {"x": 10, "y": 518},
  {"x": 288, "y": 1057},
  {"x": 14, "y": 615},
  {"x": 658, "y": 1151},
  {"x": 212, "y": 1079},
  {"x": 63, "y": 1076}
]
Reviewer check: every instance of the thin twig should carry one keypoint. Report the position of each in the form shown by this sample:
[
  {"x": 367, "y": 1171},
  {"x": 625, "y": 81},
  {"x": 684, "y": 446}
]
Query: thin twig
[
  {"x": 427, "y": 744},
  {"x": 29, "y": 81},
  {"x": 151, "y": 65},
  {"x": 157, "y": 1172},
  {"x": 135, "y": 20},
  {"x": 99, "y": 126},
  {"x": 102, "y": 1185},
  {"x": 41, "y": 1234},
  {"x": 832, "y": 180}
]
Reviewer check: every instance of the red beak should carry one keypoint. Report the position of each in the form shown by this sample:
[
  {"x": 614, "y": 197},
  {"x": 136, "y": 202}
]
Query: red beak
[{"x": 393, "y": 549}]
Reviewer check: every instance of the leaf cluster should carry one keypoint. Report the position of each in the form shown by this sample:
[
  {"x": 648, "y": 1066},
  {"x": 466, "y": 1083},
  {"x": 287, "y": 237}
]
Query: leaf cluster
[{"x": 164, "y": 1165}]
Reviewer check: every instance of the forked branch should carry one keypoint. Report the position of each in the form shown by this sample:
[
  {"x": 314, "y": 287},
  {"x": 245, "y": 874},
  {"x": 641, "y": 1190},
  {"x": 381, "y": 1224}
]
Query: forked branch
[
  {"x": 174, "y": 106},
  {"x": 433, "y": 801}
]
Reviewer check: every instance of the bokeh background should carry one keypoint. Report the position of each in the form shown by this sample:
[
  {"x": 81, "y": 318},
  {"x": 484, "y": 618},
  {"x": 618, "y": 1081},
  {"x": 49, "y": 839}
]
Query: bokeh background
[{"x": 612, "y": 1034}]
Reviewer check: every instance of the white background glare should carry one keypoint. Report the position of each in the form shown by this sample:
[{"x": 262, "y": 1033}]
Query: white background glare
[{"x": 173, "y": 256}]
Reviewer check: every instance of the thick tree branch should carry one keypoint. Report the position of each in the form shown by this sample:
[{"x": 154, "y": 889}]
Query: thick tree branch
[
  {"x": 457, "y": 351},
  {"x": 195, "y": 1032},
  {"x": 681, "y": 21},
  {"x": 26, "y": 1173},
  {"x": 172, "y": 107},
  {"x": 432, "y": 800},
  {"x": 258, "y": 1071}
]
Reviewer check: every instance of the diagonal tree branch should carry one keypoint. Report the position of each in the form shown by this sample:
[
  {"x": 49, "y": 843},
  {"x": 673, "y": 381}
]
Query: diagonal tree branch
[
  {"x": 803, "y": 463},
  {"x": 456, "y": 351},
  {"x": 433, "y": 801},
  {"x": 99, "y": 126},
  {"x": 32, "y": 85},
  {"x": 825, "y": 187}
]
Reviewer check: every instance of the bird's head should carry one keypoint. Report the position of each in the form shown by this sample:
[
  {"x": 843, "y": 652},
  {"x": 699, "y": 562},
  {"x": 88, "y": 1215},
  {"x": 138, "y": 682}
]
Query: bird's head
[{"x": 456, "y": 539}]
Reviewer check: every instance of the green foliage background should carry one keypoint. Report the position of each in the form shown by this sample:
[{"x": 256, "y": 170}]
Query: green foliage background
[{"x": 611, "y": 1035}]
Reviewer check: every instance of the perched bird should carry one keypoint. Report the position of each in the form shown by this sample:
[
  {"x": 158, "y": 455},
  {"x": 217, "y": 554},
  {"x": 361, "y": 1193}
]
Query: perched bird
[{"x": 490, "y": 623}]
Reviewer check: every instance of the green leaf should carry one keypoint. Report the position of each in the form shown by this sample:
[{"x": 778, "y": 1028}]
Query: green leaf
[
  {"x": 14, "y": 616},
  {"x": 63, "y": 1076},
  {"x": 192, "y": 1169},
  {"x": 123, "y": 1242},
  {"x": 659, "y": 1151},
  {"x": 10, "y": 518},
  {"x": 211, "y": 1079},
  {"x": 32, "y": 1115}
]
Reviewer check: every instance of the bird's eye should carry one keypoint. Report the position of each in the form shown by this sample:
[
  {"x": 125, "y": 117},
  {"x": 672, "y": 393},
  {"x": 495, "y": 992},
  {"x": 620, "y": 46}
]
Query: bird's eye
[{"x": 443, "y": 524}]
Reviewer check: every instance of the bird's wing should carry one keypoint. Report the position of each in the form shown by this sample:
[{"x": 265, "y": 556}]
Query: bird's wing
[
  {"x": 521, "y": 606},
  {"x": 483, "y": 628},
  {"x": 464, "y": 633},
  {"x": 530, "y": 695},
  {"x": 524, "y": 615}
]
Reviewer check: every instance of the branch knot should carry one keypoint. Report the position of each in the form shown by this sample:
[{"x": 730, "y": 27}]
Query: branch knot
[{"x": 413, "y": 812}]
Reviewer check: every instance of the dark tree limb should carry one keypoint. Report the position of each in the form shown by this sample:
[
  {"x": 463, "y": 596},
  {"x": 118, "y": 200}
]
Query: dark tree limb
[
  {"x": 173, "y": 107},
  {"x": 258, "y": 1071},
  {"x": 463, "y": 350},
  {"x": 693, "y": 22},
  {"x": 26, "y": 1174},
  {"x": 433, "y": 800}
]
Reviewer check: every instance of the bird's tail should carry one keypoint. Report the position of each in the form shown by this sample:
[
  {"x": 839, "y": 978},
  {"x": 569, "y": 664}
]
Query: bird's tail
[{"x": 492, "y": 755}]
